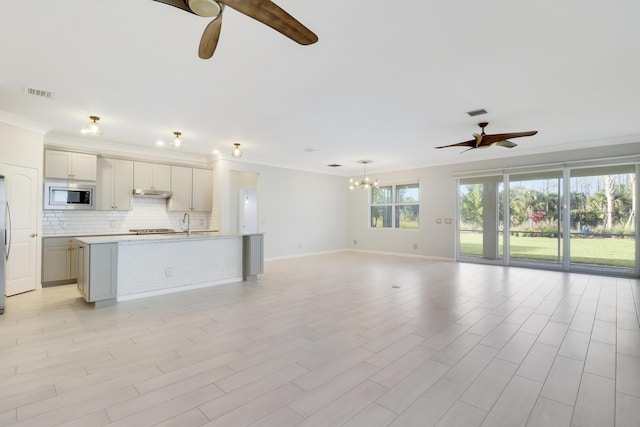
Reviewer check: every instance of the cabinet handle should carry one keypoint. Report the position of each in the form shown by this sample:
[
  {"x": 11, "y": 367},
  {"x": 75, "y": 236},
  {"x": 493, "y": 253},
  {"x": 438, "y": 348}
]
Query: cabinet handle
[{"x": 33, "y": 234}]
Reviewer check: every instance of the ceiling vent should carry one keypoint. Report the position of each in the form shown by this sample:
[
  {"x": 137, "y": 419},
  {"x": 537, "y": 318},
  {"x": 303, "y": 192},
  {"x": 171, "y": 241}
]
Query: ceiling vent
[
  {"x": 38, "y": 92},
  {"x": 477, "y": 112},
  {"x": 334, "y": 165}
]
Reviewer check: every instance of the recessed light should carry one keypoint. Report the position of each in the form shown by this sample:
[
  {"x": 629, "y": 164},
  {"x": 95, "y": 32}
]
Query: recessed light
[
  {"x": 216, "y": 151},
  {"x": 159, "y": 143}
]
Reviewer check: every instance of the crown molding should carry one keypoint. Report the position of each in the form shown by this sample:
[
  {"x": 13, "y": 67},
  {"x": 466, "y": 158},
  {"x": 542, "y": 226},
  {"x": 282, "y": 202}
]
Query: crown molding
[{"x": 22, "y": 123}]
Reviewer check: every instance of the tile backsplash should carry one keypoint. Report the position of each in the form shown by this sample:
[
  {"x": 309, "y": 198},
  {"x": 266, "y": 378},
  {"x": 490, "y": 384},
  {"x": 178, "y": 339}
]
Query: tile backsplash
[{"x": 146, "y": 213}]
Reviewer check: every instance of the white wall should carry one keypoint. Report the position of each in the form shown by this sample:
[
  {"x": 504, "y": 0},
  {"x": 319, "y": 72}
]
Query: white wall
[
  {"x": 438, "y": 200},
  {"x": 300, "y": 212}
]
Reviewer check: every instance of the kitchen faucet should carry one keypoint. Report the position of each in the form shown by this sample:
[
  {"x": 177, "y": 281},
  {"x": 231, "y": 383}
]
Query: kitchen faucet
[{"x": 187, "y": 218}]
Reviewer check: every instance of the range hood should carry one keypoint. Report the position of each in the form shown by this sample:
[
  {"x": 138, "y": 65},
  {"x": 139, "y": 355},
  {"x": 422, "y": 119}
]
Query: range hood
[{"x": 152, "y": 194}]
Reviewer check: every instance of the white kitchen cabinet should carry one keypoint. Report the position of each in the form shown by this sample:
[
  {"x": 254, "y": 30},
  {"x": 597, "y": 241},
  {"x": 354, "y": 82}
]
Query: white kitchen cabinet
[
  {"x": 97, "y": 273},
  {"x": 70, "y": 165},
  {"x": 201, "y": 190},
  {"x": 114, "y": 185},
  {"x": 59, "y": 260},
  {"x": 191, "y": 190},
  {"x": 181, "y": 186},
  {"x": 151, "y": 176}
]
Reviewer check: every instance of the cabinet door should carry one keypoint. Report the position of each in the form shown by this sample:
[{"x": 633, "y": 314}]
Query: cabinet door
[
  {"x": 161, "y": 177},
  {"x": 142, "y": 175},
  {"x": 104, "y": 185},
  {"x": 83, "y": 271},
  {"x": 103, "y": 264},
  {"x": 181, "y": 187},
  {"x": 83, "y": 166},
  {"x": 57, "y": 164},
  {"x": 202, "y": 187},
  {"x": 122, "y": 185},
  {"x": 73, "y": 261},
  {"x": 55, "y": 263}
]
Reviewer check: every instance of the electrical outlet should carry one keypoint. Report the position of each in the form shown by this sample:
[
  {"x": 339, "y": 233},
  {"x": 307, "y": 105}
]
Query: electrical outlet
[
  {"x": 415, "y": 246},
  {"x": 355, "y": 242},
  {"x": 438, "y": 220},
  {"x": 169, "y": 272},
  {"x": 63, "y": 224},
  {"x": 448, "y": 220}
]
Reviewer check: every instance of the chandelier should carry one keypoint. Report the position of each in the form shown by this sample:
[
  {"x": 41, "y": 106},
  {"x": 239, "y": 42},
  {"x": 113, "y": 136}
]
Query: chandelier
[{"x": 365, "y": 182}]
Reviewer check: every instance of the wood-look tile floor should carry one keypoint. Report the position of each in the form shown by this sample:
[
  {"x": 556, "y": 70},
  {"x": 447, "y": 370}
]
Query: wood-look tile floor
[{"x": 347, "y": 339}]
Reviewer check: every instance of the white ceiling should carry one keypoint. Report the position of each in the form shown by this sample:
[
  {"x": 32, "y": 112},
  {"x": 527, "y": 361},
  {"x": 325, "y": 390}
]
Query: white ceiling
[{"x": 387, "y": 81}]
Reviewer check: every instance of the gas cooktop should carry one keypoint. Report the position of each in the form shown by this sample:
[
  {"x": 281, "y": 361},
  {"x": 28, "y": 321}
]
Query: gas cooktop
[{"x": 152, "y": 230}]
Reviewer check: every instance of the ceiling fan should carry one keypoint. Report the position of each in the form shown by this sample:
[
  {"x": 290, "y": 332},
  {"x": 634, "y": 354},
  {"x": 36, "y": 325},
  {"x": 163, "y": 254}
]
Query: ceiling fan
[
  {"x": 264, "y": 11},
  {"x": 483, "y": 140}
]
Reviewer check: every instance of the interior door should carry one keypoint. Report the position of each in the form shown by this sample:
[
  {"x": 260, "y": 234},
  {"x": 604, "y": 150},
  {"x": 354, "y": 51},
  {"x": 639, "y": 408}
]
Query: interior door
[{"x": 22, "y": 196}]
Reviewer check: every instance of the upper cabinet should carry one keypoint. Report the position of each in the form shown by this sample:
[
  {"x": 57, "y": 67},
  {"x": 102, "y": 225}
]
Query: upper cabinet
[
  {"x": 69, "y": 165},
  {"x": 151, "y": 176},
  {"x": 114, "y": 186},
  {"x": 191, "y": 190}
]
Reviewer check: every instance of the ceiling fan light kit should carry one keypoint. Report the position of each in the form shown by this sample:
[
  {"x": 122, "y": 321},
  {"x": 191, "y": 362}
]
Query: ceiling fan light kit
[
  {"x": 205, "y": 8},
  {"x": 482, "y": 140}
]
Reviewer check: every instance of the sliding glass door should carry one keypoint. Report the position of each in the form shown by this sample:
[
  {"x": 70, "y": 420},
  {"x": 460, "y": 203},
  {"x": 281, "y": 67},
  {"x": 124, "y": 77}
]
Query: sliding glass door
[
  {"x": 535, "y": 218},
  {"x": 577, "y": 219},
  {"x": 480, "y": 218},
  {"x": 603, "y": 209}
]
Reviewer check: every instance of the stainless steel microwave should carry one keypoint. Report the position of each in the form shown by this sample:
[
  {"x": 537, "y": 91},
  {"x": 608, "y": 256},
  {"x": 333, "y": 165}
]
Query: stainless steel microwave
[{"x": 69, "y": 195}]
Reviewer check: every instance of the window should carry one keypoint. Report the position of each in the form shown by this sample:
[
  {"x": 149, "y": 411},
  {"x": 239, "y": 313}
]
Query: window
[{"x": 395, "y": 206}]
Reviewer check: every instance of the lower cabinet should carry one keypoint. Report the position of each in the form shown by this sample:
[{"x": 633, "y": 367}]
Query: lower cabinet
[
  {"x": 59, "y": 260},
  {"x": 97, "y": 272}
]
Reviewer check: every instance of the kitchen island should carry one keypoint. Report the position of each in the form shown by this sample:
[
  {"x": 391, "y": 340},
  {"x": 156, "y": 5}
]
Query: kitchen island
[{"x": 119, "y": 268}]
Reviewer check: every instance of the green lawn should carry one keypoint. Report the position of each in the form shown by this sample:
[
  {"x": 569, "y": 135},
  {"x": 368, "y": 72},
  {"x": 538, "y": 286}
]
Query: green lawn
[{"x": 598, "y": 251}]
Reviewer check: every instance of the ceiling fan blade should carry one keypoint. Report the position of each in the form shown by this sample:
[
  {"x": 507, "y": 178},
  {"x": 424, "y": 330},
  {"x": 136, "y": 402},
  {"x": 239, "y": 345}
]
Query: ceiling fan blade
[
  {"x": 180, "y": 4},
  {"x": 471, "y": 143},
  {"x": 492, "y": 139},
  {"x": 506, "y": 144},
  {"x": 270, "y": 14},
  {"x": 209, "y": 40}
]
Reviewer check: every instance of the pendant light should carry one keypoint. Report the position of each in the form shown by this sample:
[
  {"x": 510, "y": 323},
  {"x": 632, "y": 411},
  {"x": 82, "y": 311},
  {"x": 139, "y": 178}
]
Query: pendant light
[
  {"x": 177, "y": 142},
  {"x": 93, "y": 128},
  {"x": 236, "y": 152}
]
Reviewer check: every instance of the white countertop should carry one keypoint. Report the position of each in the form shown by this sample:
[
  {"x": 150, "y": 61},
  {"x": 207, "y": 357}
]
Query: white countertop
[
  {"x": 146, "y": 238},
  {"x": 133, "y": 238}
]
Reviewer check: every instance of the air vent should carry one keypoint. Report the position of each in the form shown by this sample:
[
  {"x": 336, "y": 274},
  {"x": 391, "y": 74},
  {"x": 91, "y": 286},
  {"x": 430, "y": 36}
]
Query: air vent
[
  {"x": 334, "y": 165},
  {"x": 477, "y": 112},
  {"x": 38, "y": 92}
]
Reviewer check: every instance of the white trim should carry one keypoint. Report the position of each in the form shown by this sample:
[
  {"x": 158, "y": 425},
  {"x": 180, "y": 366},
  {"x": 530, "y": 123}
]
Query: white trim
[
  {"x": 22, "y": 123},
  {"x": 429, "y": 257},
  {"x": 178, "y": 289},
  {"x": 278, "y": 258},
  {"x": 115, "y": 149}
]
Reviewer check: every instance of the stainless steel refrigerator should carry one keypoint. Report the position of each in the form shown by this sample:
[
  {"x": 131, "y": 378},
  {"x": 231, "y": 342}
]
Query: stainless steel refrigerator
[{"x": 5, "y": 236}]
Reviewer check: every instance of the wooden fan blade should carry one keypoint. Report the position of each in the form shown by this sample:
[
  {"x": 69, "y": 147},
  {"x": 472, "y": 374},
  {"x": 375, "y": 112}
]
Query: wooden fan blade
[
  {"x": 471, "y": 143},
  {"x": 180, "y": 4},
  {"x": 270, "y": 14},
  {"x": 492, "y": 139},
  {"x": 209, "y": 40},
  {"x": 506, "y": 144}
]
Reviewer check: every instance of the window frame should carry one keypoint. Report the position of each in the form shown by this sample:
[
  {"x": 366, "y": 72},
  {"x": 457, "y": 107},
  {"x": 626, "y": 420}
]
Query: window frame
[{"x": 393, "y": 205}]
